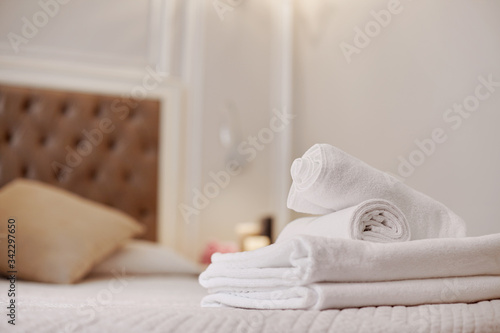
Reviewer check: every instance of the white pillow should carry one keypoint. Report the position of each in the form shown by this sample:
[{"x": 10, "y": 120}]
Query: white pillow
[{"x": 145, "y": 257}]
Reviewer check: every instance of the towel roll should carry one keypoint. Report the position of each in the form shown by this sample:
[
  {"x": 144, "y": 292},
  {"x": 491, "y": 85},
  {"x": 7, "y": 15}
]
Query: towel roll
[
  {"x": 326, "y": 180},
  {"x": 373, "y": 220}
]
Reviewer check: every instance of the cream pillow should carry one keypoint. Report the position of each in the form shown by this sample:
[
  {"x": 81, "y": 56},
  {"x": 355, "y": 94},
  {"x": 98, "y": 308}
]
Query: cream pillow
[{"x": 59, "y": 236}]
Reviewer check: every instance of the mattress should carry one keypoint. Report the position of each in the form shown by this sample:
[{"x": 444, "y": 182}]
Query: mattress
[{"x": 168, "y": 303}]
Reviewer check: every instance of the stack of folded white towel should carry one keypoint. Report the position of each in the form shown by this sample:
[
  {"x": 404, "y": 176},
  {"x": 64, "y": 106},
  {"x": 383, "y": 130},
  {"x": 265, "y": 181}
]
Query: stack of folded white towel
[{"x": 358, "y": 253}]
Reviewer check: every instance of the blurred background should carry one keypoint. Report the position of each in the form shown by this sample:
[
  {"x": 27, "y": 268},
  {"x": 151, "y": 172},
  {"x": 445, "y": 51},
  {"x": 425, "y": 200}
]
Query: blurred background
[{"x": 260, "y": 81}]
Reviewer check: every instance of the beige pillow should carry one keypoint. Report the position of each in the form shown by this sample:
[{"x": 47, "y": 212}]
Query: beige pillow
[{"x": 59, "y": 236}]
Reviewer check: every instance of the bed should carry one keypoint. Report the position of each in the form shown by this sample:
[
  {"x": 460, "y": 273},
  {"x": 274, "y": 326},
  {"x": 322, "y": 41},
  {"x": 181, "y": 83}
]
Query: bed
[
  {"x": 171, "y": 304},
  {"x": 159, "y": 290}
]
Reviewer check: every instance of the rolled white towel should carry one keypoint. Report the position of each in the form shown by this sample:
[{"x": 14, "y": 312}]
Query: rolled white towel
[
  {"x": 326, "y": 180},
  {"x": 323, "y": 296},
  {"x": 309, "y": 259},
  {"x": 372, "y": 220}
]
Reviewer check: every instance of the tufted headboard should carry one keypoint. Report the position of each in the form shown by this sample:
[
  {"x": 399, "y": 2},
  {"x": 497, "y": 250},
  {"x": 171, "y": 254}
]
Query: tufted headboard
[{"x": 104, "y": 148}]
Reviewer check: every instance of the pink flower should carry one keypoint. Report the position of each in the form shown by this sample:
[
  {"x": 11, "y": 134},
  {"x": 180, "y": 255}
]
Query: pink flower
[{"x": 214, "y": 247}]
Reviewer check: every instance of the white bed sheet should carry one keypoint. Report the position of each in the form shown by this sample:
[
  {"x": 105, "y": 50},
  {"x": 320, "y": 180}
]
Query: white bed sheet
[{"x": 171, "y": 304}]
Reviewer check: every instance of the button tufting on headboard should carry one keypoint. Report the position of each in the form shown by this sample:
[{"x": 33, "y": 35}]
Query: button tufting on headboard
[{"x": 92, "y": 145}]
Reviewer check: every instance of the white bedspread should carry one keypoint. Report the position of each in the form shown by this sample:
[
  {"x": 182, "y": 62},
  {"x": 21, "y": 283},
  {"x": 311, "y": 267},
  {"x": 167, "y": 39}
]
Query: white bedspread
[{"x": 172, "y": 304}]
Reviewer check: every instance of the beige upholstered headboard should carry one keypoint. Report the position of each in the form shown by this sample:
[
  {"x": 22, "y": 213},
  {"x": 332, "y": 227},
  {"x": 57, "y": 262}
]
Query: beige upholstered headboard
[{"x": 104, "y": 148}]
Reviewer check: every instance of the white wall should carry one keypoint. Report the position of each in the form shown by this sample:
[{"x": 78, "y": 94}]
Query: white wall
[
  {"x": 113, "y": 32},
  {"x": 397, "y": 89},
  {"x": 237, "y": 72}
]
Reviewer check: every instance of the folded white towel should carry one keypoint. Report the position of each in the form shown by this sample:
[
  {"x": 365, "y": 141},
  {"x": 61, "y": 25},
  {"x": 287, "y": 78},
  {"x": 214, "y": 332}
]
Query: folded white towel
[
  {"x": 346, "y": 295},
  {"x": 326, "y": 179},
  {"x": 372, "y": 220},
  {"x": 309, "y": 259}
]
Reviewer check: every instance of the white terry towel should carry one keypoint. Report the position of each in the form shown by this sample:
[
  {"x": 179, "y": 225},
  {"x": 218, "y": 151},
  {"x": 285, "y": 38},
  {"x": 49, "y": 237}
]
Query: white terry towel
[
  {"x": 308, "y": 259},
  {"x": 326, "y": 180},
  {"x": 372, "y": 220},
  {"x": 347, "y": 295}
]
